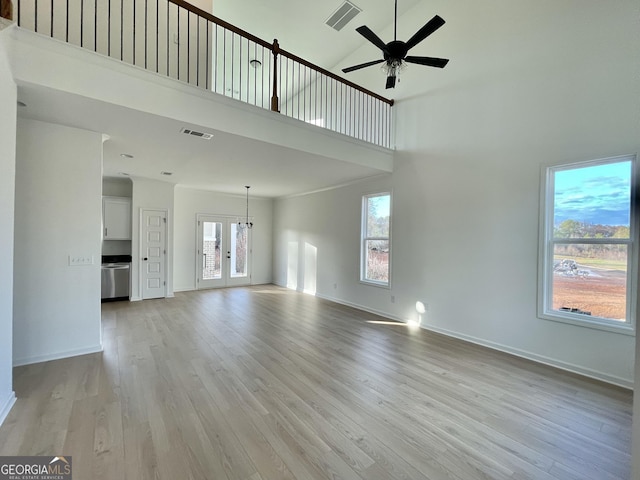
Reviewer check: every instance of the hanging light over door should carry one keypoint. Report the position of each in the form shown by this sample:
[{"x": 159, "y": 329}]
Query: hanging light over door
[{"x": 246, "y": 223}]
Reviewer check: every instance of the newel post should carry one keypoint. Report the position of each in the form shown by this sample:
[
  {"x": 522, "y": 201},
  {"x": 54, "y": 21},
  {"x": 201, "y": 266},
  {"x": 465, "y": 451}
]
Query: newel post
[{"x": 275, "y": 107}]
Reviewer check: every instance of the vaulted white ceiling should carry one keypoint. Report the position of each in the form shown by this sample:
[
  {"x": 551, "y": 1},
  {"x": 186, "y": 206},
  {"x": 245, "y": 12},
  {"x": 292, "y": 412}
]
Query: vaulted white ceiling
[{"x": 299, "y": 25}]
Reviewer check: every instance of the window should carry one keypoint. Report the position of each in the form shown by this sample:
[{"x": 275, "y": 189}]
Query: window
[
  {"x": 588, "y": 251},
  {"x": 376, "y": 240}
]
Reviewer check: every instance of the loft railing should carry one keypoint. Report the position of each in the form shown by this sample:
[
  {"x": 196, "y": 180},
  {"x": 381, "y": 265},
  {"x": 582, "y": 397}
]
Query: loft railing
[{"x": 178, "y": 40}]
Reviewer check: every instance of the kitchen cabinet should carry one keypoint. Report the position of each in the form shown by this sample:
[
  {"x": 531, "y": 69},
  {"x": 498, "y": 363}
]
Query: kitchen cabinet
[{"x": 116, "y": 218}]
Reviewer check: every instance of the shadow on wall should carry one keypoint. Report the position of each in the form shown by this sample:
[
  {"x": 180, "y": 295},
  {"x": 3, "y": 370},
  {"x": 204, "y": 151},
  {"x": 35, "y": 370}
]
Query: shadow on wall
[
  {"x": 302, "y": 267},
  {"x": 6, "y": 9}
]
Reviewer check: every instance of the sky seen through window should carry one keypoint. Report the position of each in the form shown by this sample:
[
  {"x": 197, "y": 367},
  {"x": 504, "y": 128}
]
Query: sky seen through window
[{"x": 596, "y": 195}]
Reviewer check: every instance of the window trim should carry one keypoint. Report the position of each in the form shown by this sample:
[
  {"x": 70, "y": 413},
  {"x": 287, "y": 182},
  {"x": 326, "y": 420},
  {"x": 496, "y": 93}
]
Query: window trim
[
  {"x": 363, "y": 238},
  {"x": 546, "y": 243}
]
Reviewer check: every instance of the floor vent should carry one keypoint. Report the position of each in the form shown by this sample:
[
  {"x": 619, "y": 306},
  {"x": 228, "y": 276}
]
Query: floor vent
[
  {"x": 343, "y": 15},
  {"x": 206, "y": 136}
]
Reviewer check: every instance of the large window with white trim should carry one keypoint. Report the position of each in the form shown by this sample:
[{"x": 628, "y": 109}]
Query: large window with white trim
[
  {"x": 376, "y": 239},
  {"x": 588, "y": 257}
]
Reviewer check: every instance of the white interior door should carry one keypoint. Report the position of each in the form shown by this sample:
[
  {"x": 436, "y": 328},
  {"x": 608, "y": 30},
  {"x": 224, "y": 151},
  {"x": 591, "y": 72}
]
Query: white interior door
[
  {"x": 224, "y": 252},
  {"x": 153, "y": 250}
]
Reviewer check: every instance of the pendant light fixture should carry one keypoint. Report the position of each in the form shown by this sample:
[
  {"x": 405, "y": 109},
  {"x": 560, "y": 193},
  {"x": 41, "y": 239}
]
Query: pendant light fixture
[{"x": 246, "y": 223}]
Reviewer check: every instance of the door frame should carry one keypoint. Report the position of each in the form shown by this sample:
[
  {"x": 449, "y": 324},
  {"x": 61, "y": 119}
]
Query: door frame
[
  {"x": 141, "y": 253},
  {"x": 226, "y": 280}
]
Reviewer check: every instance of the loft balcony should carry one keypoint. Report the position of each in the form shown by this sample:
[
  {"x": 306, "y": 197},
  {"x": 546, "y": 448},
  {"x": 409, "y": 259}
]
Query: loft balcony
[{"x": 175, "y": 39}]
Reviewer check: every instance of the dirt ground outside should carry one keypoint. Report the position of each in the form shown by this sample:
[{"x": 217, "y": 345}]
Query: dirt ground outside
[{"x": 602, "y": 292}]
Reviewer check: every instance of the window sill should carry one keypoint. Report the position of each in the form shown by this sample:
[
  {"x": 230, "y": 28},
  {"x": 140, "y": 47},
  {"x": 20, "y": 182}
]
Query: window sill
[
  {"x": 593, "y": 323},
  {"x": 371, "y": 283}
]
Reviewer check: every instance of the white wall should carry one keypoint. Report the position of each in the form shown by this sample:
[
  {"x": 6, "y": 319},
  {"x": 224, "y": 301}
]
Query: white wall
[
  {"x": 8, "y": 98},
  {"x": 150, "y": 194},
  {"x": 57, "y": 214},
  {"x": 317, "y": 245},
  {"x": 558, "y": 83},
  {"x": 190, "y": 202}
]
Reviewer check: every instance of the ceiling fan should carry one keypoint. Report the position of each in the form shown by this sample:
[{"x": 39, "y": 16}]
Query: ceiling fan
[{"x": 395, "y": 52}]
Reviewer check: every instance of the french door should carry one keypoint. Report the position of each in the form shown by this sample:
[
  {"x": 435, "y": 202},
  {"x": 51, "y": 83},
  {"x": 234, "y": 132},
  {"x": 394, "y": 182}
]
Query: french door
[{"x": 224, "y": 252}]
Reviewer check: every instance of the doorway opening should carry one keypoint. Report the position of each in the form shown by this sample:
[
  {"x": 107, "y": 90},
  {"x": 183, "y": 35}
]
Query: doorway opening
[{"x": 224, "y": 252}]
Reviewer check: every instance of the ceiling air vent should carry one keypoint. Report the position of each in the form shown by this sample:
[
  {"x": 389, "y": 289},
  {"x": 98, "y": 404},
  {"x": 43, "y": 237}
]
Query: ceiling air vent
[
  {"x": 206, "y": 136},
  {"x": 343, "y": 15}
]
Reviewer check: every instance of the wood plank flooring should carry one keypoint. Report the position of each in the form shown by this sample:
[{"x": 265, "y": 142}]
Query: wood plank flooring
[{"x": 263, "y": 383}]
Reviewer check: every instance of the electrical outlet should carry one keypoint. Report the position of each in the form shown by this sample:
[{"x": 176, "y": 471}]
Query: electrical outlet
[
  {"x": 393, "y": 299},
  {"x": 79, "y": 260}
]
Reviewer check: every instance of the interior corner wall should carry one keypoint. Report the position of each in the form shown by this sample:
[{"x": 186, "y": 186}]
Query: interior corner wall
[
  {"x": 191, "y": 202},
  {"x": 150, "y": 194},
  {"x": 57, "y": 215},
  {"x": 8, "y": 99},
  {"x": 317, "y": 245},
  {"x": 523, "y": 91}
]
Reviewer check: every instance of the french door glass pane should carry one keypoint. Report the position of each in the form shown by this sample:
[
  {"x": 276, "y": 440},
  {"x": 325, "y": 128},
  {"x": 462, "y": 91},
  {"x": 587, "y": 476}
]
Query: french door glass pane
[
  {"x": 238, "y": 251},
  {"x": 211, "y": 236},
  {"x": 591, "y": 279}
]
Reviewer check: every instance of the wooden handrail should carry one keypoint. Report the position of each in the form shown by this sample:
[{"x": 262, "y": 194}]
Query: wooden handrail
[
  {"x": 6, "y": 9},
  {"x": 273, "y": 46}
]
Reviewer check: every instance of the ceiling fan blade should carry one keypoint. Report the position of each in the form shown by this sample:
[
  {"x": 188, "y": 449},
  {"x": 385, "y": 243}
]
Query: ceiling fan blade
[
  {"x": 428, "y": 61},
  {"x": 430, "y": 27},
  {"x": 362, "y": 65},
  {"x": 367, "y": 33},
  {"x": 391, "y": 81}
]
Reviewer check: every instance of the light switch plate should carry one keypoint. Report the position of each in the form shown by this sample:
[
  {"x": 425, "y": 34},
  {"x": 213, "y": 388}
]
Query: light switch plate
[{"x": 79, "y": 260}]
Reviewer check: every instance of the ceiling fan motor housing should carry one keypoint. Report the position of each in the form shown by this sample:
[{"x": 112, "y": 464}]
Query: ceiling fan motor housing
[
  {"x": 395, "y": 50},
  {"x": 395, "y": 53}
]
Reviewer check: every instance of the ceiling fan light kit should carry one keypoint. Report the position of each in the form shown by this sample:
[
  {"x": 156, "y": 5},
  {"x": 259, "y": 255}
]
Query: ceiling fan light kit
[
  {"x": 392, "y": 70},
  {"x": 394, "y": 53}
]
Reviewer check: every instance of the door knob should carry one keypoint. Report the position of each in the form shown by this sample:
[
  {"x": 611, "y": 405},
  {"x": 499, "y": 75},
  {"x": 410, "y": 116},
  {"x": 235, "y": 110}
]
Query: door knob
[{"x": 145, "y": 259}]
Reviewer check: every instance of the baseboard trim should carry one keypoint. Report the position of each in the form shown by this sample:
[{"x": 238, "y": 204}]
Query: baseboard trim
[
  {"x": 192, "y": 289},
  {"x": 5, "y": 407},
  {"x": 56, "y": 356},
  {"x": 361, "y": 307},
  {"x": 183, "y": 289},
  {"x": 552, "y": 362}
]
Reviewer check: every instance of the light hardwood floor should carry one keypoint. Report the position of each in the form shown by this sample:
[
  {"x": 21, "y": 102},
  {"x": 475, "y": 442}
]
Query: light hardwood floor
[{"x": 264, "y": 383}]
